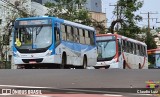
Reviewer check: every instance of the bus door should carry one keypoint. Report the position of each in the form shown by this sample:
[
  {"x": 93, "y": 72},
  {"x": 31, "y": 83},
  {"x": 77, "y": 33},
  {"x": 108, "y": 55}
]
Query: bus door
[
  {"x": 57, "y": 34},
  {"x": 120, "y": 58}
]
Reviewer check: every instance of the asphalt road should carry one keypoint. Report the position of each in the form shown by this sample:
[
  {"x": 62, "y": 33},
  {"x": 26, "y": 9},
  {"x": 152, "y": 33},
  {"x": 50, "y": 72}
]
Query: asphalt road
[{"x": 80, "y": 79}]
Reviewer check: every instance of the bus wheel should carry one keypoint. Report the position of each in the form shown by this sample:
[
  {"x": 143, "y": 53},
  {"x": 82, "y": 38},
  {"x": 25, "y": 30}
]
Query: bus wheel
[
  {"x": 84, "y": 63},
  {"x": 64, "y": 61},
  {"x": 124, "y": 65},
  {"x": 139, "y": 66}
]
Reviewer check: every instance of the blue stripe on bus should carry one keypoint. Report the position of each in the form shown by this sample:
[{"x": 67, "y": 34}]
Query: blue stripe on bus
[
  {"x": 39, "y": 18},
  {"x": 77, "y": 46},
  {"x": 51, "y": 48},
  {"x": 14, "y": 50}
]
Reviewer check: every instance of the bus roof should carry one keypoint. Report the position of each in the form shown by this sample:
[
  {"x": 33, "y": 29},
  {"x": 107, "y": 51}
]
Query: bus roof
[
  {"x": 60, "y": 20},
  {"x": 78, "y": 25},
  {"x": 153, "y": 50},
  {"x": 122, "y": 37}
]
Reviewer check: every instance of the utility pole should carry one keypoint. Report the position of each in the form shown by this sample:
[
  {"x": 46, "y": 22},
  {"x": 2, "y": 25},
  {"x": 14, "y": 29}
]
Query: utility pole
[
  {"x": 117, "y": 7},
  {"x": 148, "y": 13}
]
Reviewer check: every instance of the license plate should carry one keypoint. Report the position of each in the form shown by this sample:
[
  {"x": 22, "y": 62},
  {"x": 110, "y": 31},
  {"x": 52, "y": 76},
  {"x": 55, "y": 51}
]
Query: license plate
[{"x": 32, "y": 62}]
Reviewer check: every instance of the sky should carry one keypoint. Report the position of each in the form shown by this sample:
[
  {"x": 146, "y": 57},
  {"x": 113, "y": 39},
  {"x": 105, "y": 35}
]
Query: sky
[{"x": 152, "y": 6}]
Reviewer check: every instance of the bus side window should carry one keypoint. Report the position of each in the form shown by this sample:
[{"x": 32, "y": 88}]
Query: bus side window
[
  {"x": 75, "y": 34},
  {"x": 145, "y": 51},
  {"x": 91, "y": 34},
  {"x": 131, "y": 47},
  {"x": 87, "y": 38},
  {"x": 81, "y": 36},
  {"x": 126, "y": 50},
  {"x": 69, "y": 33},
  {"x": 141, "y": 50},
  {"x": 63, "y": 30},
  {"x": 57, "y": 35},
  {"x": 138, "y": 49},
  {"x": 134, "y": 48},
  {"x": 127, "y": 47},
  {"x": 123, "y": 45}
]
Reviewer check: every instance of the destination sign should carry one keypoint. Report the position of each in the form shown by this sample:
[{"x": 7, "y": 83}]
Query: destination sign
[
  {"x": 101, "y": 38},
  {"x": 35, "y": 22}
]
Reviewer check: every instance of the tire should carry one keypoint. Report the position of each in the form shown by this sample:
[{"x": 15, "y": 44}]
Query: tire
[
  {"x": 84, "y": 66},
  {"x": 124, "y": 65},
  {"x": 107, "y": 67},
  {"x": 139, "y": 66},
  {"x": 64, "y": 61}
]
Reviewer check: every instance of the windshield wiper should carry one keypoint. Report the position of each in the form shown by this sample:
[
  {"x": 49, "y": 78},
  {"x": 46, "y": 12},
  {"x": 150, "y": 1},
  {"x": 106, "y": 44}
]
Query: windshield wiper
[{"x": 38, "y": 30}]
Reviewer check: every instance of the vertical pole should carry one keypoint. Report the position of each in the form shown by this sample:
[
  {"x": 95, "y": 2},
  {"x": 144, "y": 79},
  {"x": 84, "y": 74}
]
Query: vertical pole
[
  {"x": 117, "y": 17},
  {"x": 148, "y": 23}
]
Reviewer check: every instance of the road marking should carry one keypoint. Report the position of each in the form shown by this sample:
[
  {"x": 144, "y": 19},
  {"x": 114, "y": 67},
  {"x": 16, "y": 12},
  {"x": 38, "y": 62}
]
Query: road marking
[
  {"x": 76, "y": 95},
  {"x": 15, "y": 86},
  {"x": 38, "y": 96},
  {"x": 113, "y": 95}
]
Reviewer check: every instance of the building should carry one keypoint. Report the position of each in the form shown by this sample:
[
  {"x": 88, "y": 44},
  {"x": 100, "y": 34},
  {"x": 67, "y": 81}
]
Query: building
[
  {"x": 94, "y": 5},
  {"x": 91, "y": 5},
  {"x": 99, "y": 17}
]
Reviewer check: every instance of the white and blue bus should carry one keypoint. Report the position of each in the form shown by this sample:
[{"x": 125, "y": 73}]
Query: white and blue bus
[{"x": 50, "y": 41}]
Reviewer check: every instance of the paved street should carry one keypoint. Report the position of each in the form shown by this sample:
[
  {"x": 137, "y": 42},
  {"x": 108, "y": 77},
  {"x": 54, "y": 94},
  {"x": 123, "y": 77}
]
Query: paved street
[
  {"x": 86, "y": 81},
  {"x": 110, "y": 78}
]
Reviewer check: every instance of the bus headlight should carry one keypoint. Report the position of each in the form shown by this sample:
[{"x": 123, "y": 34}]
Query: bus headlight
[
  {"x": 49, "y": 53},
  {"x": 16, "y": 54}
]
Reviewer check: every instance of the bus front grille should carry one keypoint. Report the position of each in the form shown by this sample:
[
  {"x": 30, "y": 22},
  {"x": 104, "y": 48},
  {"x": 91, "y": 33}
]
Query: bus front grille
[{"x": 32, "y": 60}]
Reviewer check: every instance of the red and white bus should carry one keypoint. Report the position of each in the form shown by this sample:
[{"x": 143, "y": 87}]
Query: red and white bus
[
  {"x": 116, "y": 51},
  {"x": 154, "y": 58}
]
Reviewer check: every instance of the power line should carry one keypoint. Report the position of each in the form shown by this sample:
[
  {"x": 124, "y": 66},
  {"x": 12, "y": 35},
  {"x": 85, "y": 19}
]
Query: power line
[
  {"x": 117, "y": 12},
  {"x": 148, "y": 13}
]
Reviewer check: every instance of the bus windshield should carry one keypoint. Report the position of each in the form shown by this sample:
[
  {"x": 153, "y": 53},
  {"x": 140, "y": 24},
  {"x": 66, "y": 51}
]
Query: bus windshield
[
  {"x": 106, "y": 50},
  {"x": 33, "y": 37}
]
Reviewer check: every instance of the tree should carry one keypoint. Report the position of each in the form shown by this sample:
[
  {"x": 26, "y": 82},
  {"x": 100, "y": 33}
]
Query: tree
[
  {"x": 99, "y": 26},
  {"x": 16, "y": 10},
  {"x": 127, "y": 9},
  {"x": 147, "y": 37},
  {"x": 73, "y": 10},
  {"x": 68, "y": 9},
  {"x": 151, "y": 44}
]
